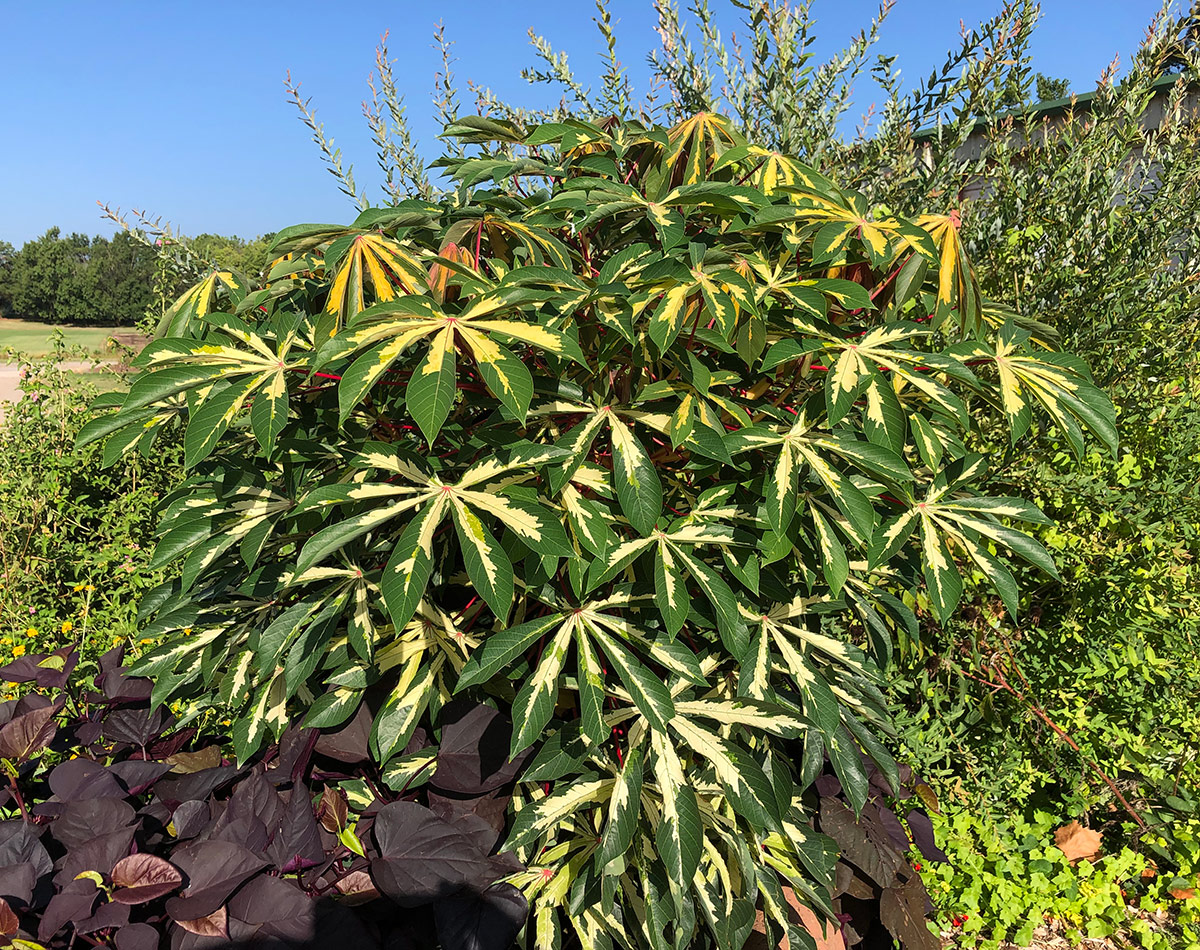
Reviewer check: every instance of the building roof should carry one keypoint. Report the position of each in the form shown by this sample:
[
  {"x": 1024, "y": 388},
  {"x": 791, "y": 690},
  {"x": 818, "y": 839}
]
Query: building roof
[{"x": 1050, "y": 107}]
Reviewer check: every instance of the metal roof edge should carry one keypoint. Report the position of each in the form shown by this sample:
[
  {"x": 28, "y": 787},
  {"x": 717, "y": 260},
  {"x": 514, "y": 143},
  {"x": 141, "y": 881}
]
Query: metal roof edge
[{"x": 1055, "y": 106}]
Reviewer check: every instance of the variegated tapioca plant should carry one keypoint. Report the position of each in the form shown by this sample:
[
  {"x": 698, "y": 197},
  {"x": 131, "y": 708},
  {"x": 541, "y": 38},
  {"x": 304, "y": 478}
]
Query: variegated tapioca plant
[{"x": 650, "y": 437}]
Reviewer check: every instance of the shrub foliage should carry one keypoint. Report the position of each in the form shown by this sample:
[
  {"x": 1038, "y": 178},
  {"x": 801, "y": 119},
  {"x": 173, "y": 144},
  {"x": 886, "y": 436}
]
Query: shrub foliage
[{"x": 650, "y": 438}]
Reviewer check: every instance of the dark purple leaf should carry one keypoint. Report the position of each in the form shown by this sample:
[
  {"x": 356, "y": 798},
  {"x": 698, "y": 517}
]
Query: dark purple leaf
[
  {"x": 170, "y": 745},
  {"x": 348, "y": 744},
  {"x": 138, "y": 775},
  {"x": 891, "y": 824},
  {"x": 275, "y": 909},
  {"x": 255, "y": 796},
  {"x": 83, "y": 778},
  {"x": 102, "y": 851},
  {"x": 20, "y": 843},
  {"x": 198, "y": 785},
  {"x": 83, "y": 820},
  {"x": 87, "y": 733},
  {"x": 143, "y": 877},
  {"x": 136, "y": 937},
  {"x": 902, "y": 910},
  {"x": 138, "y": 727},
  {"x": 28, "y": 732},
  {"x": 296, "y": 838},
  {"x": 473, "y": 756},
  {"x": 422, "y": 858},
  {"x": 191, "y": 818},
  {"x": 863, "y": 841},
  {"x": 74, "y": 903},
  {"x": 214, "y": 869},
  {"x": 295, "y": 749},
  {"x": 50, "y": 808},
  {"x": 49, "y": 670},
  {"x": 247, "y": 831},
  {"x": 480, "y": 817},
  {"x": 880, "y": 786},
  {"x": 17, "y": 882},
  {"x": 487, "y": 920},
  {"x": 106, "y": 917},
  {"x": 116, "y": 683},
  {"x": 922, "y": 833},
  {"x": 155, "y": 817}
]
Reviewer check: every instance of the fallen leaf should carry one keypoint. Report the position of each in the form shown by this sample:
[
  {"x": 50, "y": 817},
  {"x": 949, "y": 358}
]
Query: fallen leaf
[{"x": 1077, "y": 843}]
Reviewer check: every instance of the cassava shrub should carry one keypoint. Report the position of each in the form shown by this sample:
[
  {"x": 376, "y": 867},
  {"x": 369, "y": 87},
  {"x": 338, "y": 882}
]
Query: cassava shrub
[{"x": 650, "y": 438}]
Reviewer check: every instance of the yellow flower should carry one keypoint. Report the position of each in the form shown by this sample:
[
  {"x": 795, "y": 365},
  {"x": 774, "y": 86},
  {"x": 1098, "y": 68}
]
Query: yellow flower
[
  {"x": 117, "y": 641},
  {"x": 148, "y": 640},
  {"x": 19, "y": 650},
  {"x": 67, "y": 626},
  {"x": 187, "y": 631},
  {"x": 31, "y": 631},
  {"x": 78, "y": 588},
  {"x": 5, "y": 641}
]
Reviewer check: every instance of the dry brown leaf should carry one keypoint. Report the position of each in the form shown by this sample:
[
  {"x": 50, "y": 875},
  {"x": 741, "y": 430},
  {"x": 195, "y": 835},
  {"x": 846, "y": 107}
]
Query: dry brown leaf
[
  {"x": 215, "y": 924},
  {"x": 9, "y": 922},
  {"x": 826, "y": 933},
  {"x": 188, "y": 762},
  {"x": 1077, "y": 842},
  {"x": 1182, "y": 893}
]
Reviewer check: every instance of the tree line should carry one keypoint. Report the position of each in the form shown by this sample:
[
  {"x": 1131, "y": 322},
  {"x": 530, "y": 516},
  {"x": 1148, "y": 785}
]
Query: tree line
[{"x": 99, "y": 281}]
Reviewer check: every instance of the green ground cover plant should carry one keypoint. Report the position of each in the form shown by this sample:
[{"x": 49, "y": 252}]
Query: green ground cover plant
[
  {"x": 1003, "y": 882},
  {"x": 76, "y": 530}
]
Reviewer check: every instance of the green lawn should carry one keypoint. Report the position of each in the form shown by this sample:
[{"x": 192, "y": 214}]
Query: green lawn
[
  {"x": 104, "y": 380},
  {"x": 32, "y": 338}
]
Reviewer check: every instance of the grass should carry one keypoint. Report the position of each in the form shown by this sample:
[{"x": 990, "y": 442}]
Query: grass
[
  {"x": 103, "y": 380},
  {"x": 34, "y": 339}
]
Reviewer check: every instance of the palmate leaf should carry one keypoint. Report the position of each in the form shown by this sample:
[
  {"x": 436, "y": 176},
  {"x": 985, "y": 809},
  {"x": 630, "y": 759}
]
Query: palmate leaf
[
  {"x": 696, "y": 144},
  {"x": 410, "y": 565},
  {"x": 806, "y": 449},
  {"x": 367, "y": 259},
  {"x": 182, "y": 317},
  {"x": 958, "y": 294},
  {"x": 1058, "y": 382},
  {"x": 386, "y": 331},
  {"x": 634, "y": 477},
  {"x": 600, "y": 636}
]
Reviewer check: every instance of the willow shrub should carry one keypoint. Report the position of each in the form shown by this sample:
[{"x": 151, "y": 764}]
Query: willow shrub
[{"x": 649, "y": 437}]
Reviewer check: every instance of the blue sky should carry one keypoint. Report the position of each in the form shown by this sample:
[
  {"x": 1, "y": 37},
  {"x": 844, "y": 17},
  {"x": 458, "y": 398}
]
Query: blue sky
[{"x": 178, "y": 108}]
